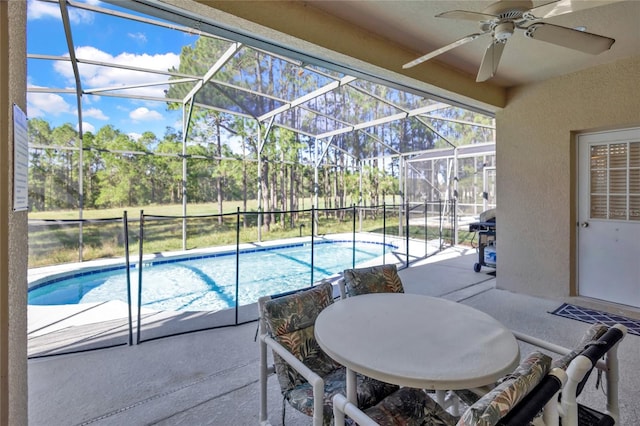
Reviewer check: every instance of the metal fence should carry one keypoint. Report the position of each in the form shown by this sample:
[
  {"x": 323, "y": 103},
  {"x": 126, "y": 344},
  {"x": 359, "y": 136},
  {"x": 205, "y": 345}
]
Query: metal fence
[{"x": 136, "y": 244}]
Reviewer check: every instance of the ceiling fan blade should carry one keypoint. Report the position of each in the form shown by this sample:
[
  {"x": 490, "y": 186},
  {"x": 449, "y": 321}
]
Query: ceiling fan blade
[
  {"x": 465, "y": 14},
  {"x": 560, "y": 7},
  {"x": 490, "y": 60},
  {"x": 440, "y": 51},
  {"x": 570, "y": 38}
]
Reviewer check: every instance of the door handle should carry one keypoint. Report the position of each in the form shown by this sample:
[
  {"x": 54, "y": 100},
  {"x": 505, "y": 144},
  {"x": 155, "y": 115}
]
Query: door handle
[{"x": 584, "y": 224}]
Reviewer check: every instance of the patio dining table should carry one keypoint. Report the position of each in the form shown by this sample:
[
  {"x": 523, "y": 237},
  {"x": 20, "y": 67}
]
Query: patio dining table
[{"x": 416, "y": 341}]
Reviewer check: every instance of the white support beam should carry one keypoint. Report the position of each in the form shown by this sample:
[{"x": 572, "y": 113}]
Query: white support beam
[
  {"x": 111, "y": 65},
  {"x": 306, "y": 98},
  {"x": 137, "y": 86},
  {"x": 335, "y": 132},
  {"x": 67, "y": 91},
  {"x": 466, "y": 123},
  {"x": 383, "y": 120},
  {"x": 64, "y": 12},
  {"x": 427, "y": 109},
  {"x": 138, "y": 18},
  {"x": 323, "y": 154},
  {"x": 212, "y": 71}
]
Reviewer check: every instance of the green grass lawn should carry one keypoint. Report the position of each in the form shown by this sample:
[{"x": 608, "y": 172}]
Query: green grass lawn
[
  {"x": 56, "y": 243},
  {"x": 134, "y": 212}
]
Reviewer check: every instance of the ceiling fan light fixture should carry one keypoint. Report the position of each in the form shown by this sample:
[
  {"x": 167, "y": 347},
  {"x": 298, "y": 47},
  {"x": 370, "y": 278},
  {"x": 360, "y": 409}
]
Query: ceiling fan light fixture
[{"x": 503, "y": 31}]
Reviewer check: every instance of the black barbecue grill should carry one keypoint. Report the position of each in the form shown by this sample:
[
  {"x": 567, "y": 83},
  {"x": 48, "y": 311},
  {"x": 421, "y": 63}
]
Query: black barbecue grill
[{"x": 486, "y": 230}]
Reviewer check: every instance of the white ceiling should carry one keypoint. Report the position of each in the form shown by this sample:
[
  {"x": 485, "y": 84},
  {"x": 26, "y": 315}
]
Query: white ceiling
[{"x": 413, "y": 24}]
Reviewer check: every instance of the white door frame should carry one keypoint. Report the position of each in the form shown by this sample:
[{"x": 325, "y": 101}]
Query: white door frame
[{"x": 608, "y": 232}]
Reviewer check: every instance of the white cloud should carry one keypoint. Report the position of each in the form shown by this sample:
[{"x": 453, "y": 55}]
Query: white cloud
[
  {"x": 41, "y": 10},
  {"x": 86, "y": 127},
  {"x": 138, "y": 37},
  {"x": 94, "y": 76},
  {"x": 145, "y": 114},
  {"x": 95, "y": 113},
  {"x": 134, "y": 136},
  {"x": 44, "y": 104}
]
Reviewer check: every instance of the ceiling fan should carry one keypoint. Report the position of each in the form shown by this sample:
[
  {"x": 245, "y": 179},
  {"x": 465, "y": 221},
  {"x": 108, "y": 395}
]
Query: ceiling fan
[{"x": 502, "y": 18}]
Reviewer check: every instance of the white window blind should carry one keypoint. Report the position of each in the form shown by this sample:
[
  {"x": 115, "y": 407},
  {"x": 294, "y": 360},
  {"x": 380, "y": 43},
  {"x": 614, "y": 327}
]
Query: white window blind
[{"x": 615, "y": 181}]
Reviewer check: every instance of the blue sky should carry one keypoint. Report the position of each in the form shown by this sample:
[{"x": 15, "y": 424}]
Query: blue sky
[{"x": 100, "y": 37}]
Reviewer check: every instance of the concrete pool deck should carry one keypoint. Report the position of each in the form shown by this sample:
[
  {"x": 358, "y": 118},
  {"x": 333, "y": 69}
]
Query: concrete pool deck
[{"x": 211, "y": 377}]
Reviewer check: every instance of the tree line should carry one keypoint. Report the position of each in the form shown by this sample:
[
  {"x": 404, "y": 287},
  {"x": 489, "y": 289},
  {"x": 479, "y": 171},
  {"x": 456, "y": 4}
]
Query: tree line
[{"x": 222, "y": 149}]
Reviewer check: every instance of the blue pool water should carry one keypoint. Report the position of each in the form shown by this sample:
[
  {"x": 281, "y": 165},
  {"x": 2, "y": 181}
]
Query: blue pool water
[{"x": 209, "y": 283}]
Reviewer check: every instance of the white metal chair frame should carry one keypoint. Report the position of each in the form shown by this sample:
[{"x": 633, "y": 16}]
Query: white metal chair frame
[
  {"x": 547, "y": 403},
  {"x": 567, "y": 408},
  {"x": 316, "y": 382},
  {"x": 558, "y": 381},
  {"x": 343, "y": 288},
  {"x": 342, "y": 407}
]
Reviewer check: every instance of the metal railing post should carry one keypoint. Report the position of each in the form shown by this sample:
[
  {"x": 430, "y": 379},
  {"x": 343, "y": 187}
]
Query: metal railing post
[
  {"x": 313, "y": 234},
  {"x": 353, "y": 238},
  {"x": 440, "y": 225},
  {"x": 237, "y": 261},
  {"x": 426, "y": 231},
  {"x": 406, "y": 218},
  {"x": 455, "y": 222},
  {"x": 125, "y": 223},
  {"x": 384, "y": 232},
  {"x": 140, "y": 250}
]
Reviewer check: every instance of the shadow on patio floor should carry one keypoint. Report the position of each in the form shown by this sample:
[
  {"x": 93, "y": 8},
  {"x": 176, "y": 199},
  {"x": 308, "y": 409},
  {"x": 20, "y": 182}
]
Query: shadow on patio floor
[{"x": 211, "y": 377}]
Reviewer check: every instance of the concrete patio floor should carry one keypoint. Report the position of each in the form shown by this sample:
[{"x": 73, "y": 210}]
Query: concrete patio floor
[{"x": 211, "y": 377}]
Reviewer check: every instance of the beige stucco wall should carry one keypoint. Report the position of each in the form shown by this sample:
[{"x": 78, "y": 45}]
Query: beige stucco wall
[
  {"x": 536, "y": 168},
  {"x": 13, "y": 226}
]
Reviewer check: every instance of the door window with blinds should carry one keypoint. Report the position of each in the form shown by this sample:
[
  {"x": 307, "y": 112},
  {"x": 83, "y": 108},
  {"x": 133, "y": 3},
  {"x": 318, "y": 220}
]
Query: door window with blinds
[{"x": 615, "y": 181}]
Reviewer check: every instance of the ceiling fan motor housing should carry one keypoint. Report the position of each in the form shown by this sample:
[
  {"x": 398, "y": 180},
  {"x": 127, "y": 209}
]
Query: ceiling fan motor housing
[
  {"x": 506, "y": 14},
  {"x": 509, "y": 9}
]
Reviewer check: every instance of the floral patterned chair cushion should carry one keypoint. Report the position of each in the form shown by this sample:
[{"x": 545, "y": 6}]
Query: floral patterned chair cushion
[
  {"x": 369, "y": 392},
  {"x": 290, "y": 320},
  {"x": 375, "y": 279},
  {"x": 489, "y": 409},
  {"x": 410, "y": 407},
  {"x": 592, "y": 334}
]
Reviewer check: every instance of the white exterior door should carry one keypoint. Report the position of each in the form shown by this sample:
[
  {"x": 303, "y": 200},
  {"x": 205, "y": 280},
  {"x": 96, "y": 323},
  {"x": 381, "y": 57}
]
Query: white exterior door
[{"x": 609, "y": 216}]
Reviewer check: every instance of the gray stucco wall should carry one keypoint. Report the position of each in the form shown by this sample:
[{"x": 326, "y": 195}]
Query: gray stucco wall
[{"x": 536, "y": 170}]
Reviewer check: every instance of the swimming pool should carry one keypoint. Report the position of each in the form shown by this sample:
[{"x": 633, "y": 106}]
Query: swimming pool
[{"x": 208, "y": 282}]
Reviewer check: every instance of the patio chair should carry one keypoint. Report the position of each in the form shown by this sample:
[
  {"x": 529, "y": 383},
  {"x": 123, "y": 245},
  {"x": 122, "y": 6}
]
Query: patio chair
[
  {"x": 308, "y": 377},
  {"x": 592, "y": 334},
  {"x": 406, "y": 407},
  {"x": 374, "y": 279},
  {"x": 578, "y": 371},
  {"x": 409, "y": 406},
  {"x": 598, "y": 349},
  {"x": 498, "y": 402}
]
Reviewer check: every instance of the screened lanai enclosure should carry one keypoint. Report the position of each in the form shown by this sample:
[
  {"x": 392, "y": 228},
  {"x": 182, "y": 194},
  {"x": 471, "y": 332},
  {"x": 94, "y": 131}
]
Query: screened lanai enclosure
[
  {"x": 151, "y": 131},
  {"x": 245, "y": 127},
  {"x": 157, "y": 137}
]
